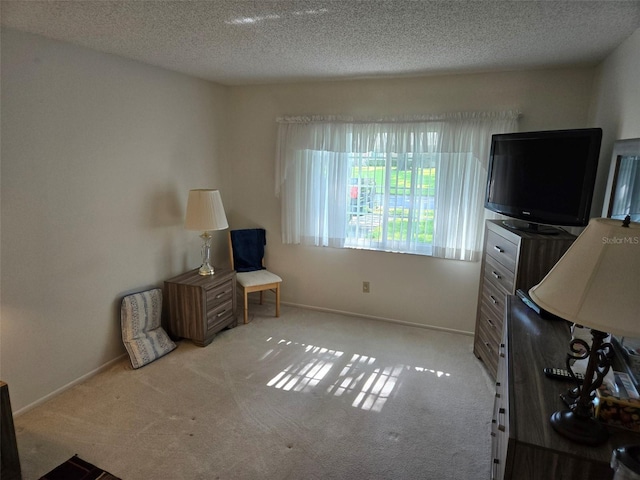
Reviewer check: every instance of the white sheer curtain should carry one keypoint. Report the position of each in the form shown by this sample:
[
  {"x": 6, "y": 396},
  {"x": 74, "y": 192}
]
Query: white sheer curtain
[{"x": 315, "y": 165}]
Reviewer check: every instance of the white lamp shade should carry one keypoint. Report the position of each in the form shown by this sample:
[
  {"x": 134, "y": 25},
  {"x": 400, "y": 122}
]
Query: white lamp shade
[
  {"x": 205, "y": 211},
  {"x": 597, "y": 282}
]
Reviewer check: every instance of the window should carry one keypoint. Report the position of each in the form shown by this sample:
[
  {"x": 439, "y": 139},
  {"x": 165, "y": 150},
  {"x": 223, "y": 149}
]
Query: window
[
  {"x": 412, "y": 186},
  {"x": 391, "y": 201}
]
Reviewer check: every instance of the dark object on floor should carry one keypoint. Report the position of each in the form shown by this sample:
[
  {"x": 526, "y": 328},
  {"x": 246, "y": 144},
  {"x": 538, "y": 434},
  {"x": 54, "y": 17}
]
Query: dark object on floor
[
  {"x": 77, "y": 469},
  {"x": 9, "y": 458}
]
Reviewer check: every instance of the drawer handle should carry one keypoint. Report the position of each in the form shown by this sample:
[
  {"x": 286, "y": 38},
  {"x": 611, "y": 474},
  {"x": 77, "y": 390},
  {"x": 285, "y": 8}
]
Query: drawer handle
[
  {"x": 496, "y": 274},
  {"x": 494, "y": 299},
  {"x": 491, "y": 323},
  {"x": 502, "y": 350},
  {"x": 498, "y": 249},
  {"x": 220, "y": 295},
  {"x": 221, "y": 313},
  {"x": 488, "y": 345},
  {"x": 494, "y": 469}
]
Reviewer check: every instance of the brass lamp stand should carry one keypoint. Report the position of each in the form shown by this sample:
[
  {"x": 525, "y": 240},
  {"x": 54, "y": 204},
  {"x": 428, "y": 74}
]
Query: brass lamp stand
[
  {"x": 593, "y": 285},
  {"x": 578, "y": 422}
]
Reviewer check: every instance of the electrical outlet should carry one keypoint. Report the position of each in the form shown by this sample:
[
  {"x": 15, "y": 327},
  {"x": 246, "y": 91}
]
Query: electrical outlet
[{"x": 365, "y": 287}]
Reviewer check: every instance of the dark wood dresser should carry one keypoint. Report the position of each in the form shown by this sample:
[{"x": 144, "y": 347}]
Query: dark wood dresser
[
  {"x": 200, "y": 306},
  {"x": 512, "y": 260},
  {"x": 10, "y": 460},
  {"x": 524, "y": 444}
]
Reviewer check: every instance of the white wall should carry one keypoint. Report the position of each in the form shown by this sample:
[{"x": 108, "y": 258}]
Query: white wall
[
  {"x": 98, "y": 155},
  {"x": 407, "y": 288},
  {"x": 616, "y": 103}
]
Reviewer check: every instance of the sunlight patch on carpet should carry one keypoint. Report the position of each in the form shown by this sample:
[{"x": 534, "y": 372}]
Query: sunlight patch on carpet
[{"x": 360, "y": 378}]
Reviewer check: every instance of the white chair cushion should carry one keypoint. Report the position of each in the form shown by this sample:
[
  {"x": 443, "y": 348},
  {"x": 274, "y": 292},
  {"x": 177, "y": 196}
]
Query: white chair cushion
[
  {"x": 257, "y": 277},
  {"x": 142, "y": 335}
]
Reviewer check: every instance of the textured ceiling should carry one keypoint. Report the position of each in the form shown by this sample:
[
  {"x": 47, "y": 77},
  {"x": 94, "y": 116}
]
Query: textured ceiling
[{"x": 261, "y": 41}]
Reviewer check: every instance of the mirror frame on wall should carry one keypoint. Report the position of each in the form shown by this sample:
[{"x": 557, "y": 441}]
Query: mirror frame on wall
[{"x": 622, "y": 150}]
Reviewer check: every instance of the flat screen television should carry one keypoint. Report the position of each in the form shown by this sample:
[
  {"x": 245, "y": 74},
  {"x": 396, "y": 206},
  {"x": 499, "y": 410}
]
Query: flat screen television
[{"x": 543, "y": 178}]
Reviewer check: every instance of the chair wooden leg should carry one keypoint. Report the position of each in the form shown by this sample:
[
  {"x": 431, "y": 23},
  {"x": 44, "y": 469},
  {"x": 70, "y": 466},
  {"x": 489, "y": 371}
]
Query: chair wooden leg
[
  {"x": 246, "y": 307},
  {"x": 277, "y": 300}
]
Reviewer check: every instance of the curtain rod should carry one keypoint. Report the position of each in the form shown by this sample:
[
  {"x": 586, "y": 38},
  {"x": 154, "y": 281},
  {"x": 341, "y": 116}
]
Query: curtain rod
[{"x": 509, "y": 114}]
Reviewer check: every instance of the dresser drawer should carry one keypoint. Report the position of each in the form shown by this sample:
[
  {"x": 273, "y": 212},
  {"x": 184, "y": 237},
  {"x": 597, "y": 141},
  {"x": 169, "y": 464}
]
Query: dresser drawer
[
  {"x": 502, "y": 250},
  {"x": 493, "y": 298},
  {"x": 492, "y": 326},
  {"x": 497, "y": 440},
  {"x": 500, "y": 441},
  {"x": 499, "y": 275},
  {"x": 500, "y": 421},
  {"x": 502, "y": 392},
  {"x": 486, "y": 347}
]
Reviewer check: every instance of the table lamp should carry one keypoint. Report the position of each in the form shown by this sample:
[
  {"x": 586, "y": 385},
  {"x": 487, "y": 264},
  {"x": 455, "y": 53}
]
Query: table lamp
[
  {"x": 205, "y": 213},
  {"x": 596, "y": 284}
]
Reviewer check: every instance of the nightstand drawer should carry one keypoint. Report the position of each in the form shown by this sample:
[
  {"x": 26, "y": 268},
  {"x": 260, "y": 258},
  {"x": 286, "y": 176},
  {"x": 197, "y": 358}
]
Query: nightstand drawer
[
  {"x": 217, "y": 294},
  {"x": 218, "y": 315},
  {"x": 502, "y": 250}
]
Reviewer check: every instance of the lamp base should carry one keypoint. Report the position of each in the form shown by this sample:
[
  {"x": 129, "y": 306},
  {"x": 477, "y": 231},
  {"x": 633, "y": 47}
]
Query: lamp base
[
  {"x": 206, "y": 269},
  {"x": 585, "y": 430}
]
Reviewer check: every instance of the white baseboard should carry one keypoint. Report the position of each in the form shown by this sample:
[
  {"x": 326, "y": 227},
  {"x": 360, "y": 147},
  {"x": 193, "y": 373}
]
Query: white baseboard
[
  {"x": 58, "y": 391},
  {"x": 382, "y": 319}
]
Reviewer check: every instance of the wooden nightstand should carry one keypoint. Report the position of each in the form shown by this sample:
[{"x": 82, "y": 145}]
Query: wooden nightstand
[{"x": 199, "y": 306}]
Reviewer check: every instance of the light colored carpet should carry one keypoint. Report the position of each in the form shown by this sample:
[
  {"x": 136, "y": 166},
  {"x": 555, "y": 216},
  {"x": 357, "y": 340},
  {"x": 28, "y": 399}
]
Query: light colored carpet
[{"x": 309, "y": 395}]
